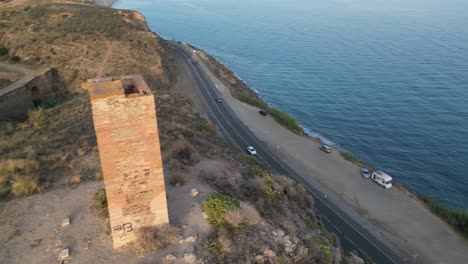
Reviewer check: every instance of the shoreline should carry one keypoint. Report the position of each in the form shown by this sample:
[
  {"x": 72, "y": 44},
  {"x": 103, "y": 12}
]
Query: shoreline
[
  {"x": 398, "y": 186},
  {"x": 308, "y": 133}
]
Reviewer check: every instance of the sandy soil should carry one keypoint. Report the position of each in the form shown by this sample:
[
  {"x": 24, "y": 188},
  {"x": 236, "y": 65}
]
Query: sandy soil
[
  {"x": 392, "y": 215},
  {"x": 12, "y": 3}
]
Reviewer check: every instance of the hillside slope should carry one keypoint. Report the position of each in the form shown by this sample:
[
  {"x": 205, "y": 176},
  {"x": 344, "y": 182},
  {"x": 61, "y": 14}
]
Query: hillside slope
[{"x": 243, "y": 213}]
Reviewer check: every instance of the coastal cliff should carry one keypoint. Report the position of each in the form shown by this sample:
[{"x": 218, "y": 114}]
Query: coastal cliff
[{"x": 224, "y": 206}]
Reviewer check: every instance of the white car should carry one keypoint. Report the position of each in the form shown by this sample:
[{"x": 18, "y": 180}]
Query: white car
[
  {"x": 326, "y": 148},
  {"x": 251, "y": 150},
  {"x": 365, "y": 173}
]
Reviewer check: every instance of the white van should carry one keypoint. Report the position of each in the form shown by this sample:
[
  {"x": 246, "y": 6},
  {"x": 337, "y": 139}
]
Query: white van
[{"x": 382, "y": 179}]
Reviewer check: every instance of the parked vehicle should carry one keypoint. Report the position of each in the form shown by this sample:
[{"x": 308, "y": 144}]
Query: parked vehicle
[
  {"x": 326, "y": 148},
  {"x": 251, "y": 150},
  {"x": 382, "y": 179},
  {"x": 218, "y": 100},
  {"x": 263, "y": 112},
  {"x": 365, "y": 173}
]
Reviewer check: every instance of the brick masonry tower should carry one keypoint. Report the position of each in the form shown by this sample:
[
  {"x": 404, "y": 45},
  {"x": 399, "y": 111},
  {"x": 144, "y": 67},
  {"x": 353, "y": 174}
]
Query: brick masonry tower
[{"x": 125, "y": 121}]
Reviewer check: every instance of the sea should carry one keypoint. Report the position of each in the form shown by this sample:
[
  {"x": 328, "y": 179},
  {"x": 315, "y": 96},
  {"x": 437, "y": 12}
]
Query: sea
[{"x": 385, "y": 80}]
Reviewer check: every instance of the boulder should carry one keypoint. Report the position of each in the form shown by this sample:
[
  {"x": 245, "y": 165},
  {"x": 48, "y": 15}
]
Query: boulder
[
  {"x": 64, "y": 255},
  {"x": 268, "y": 253},
  {"x": 194, "y": 192}
]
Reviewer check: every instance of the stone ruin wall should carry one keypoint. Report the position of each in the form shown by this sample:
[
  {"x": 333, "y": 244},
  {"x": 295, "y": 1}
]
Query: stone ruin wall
[{"x": 129, "y": 149}]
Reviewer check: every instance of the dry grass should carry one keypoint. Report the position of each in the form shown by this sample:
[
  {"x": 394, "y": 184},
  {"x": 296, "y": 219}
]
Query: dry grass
[
  {"x": 98, "y": 204},
  {"x": 24, "y": 185},
  {"x": 75, "y": 39},
  {"x": 152, "y": 239},
  {"x": 245, "y": 214},
  {"x": 177, "y": 180},
  {"x": 18, "y": 177},
  {"x": 185, "y": 152}
]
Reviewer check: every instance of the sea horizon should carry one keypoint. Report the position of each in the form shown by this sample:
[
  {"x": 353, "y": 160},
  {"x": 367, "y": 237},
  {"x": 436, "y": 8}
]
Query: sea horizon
[{"x": 386, "y": 82}]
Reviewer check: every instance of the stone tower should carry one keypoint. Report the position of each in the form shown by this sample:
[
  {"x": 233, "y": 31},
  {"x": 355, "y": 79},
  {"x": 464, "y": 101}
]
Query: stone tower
[{"x": 125, "y": 121}]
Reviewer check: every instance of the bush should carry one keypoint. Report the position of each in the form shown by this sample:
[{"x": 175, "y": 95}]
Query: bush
[
  {"x": 24, "y": 185},
  {"x": 207, "y": 127},
  {"x": 268, "y": 190},
  {"x": 15, "y": 58},
  {"x": 245, "y": 214},
  {"x": 48, "y": 103},
  {"x": 18, "y": 177},
  {"x": 99, "y": 203},
  {"x": 216, "y": 206},
  {"x": 347, "y": 156},
  {"x": 185, "y": 152},
  {"x": 177, "y": 180},
  {"x": 255, "y": 169},
  {"x": 3, "y": 51},
  {"x": 37, "y": 118},
  {"x": 152, "y": 239},
  {"x": 214, "y": 247},
  {"x": 249, "y": 99},
  {"x": 457, "y": 218},
  {"x": 285, "y": 120},
  {"x": 326, "y": 254}
]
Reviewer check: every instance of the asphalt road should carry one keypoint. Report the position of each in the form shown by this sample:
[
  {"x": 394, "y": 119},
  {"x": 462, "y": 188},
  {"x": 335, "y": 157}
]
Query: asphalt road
[{"x": 353, "y": 237}]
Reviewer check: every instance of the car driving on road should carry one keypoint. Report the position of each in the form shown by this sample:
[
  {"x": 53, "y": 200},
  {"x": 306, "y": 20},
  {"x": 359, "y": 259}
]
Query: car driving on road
[
  {"x": 326, "y": 148},
  {"x": 218, "y": 100},
  {"x": 251, "y": 150}
]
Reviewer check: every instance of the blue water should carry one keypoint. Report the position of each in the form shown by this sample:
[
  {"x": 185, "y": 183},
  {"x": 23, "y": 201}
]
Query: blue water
[{"x": 388, "y": 79}]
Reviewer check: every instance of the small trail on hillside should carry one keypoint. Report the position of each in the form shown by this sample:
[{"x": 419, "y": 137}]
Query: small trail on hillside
[{"x": 104, "y": 61}]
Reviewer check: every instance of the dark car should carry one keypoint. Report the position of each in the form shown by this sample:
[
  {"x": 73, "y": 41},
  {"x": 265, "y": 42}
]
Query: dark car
[
  {"x": 263, "y": 112},
  {"x": 218, "y": 100}
]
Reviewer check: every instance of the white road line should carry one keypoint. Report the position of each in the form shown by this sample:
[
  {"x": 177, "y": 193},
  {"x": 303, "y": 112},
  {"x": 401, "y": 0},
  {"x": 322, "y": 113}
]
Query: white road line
[{"x": 313, "y": 193}]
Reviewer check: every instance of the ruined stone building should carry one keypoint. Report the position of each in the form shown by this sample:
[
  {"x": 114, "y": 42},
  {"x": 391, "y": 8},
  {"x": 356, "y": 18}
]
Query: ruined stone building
[{"x": 127, "y": 134}]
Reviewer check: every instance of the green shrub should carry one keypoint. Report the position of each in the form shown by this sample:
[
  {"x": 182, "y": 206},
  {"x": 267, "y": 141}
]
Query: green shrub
[
  {"x": 347, "y": 156},
  {"x": 249, "y": 99},
  {"x": 326, "y": 254},
  {"x": 255, "y": 169},
  {"x": 48, "y": 103},
  {"x": 268, "y": 190},
  {"x": 216, "y": 206},
  {"x": 285, "y": 120},
  {"x": 214, "y": 247},
  {"x": 3, "y": 51},
  {"x": 37, "y": 118},
  {"x": 281, "y": 260},
  {"x": 457, "y": 218},
  {"x": 24, "y": 185}
]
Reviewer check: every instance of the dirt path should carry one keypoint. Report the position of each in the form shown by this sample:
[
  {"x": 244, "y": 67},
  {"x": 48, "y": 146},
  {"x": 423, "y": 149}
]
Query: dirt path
[
  {"x": 392, "y": 215},
  {"x": 12, "y": 3},
  {"x": 28, "y": 75},
  {"x": 104, "y": 61}
]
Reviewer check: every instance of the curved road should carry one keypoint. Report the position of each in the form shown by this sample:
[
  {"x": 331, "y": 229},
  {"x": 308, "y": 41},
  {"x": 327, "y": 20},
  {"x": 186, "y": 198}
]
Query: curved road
[
  {"x": 352, "y": 236},
  {"x": 28, "y": 75}
]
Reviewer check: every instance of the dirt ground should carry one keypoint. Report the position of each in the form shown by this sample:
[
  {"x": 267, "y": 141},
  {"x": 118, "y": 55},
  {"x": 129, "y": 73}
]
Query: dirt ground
[
  {"x": 5, "y": 4},
  {"x": 31, "y": 232}
]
